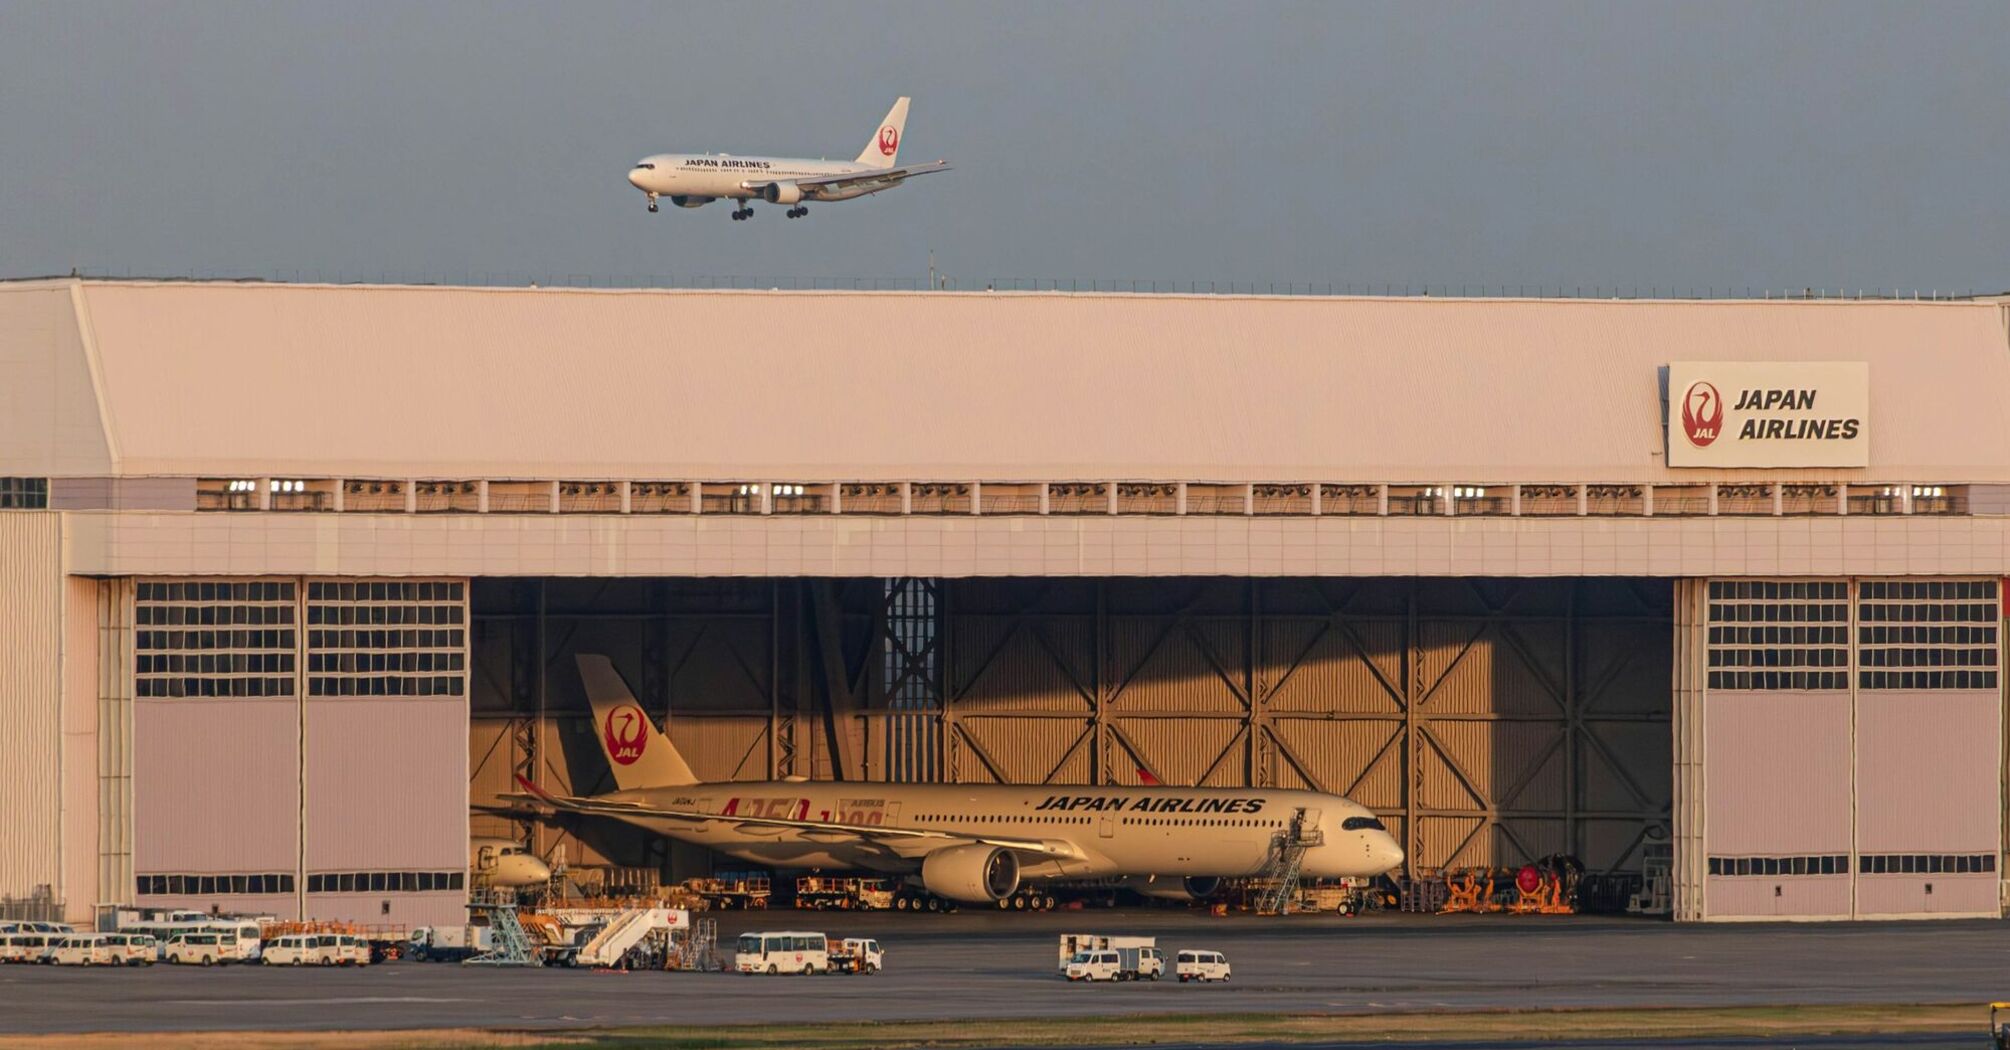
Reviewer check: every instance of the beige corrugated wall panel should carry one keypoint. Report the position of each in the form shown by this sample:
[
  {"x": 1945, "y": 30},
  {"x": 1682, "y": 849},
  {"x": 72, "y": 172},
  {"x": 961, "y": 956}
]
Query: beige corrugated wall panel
[
  {"x": 387, "y": 784},
  {"x": 1928, "y": 771},
  {"x": 723, "y": 747},
  {"x": 82, "y": 807},
  {"x": 1688, "y": 807},
  {"x": 49, "y": 410},
  {"x": 1022, "y": 751},
  {"x": 1163, "y": 664},
  {"x": 1187, "y": 387},
  {"x": 31, "y": 693},
  {"x": 217, "y": 786},
  {"x": 1321, "y": 667},
  {"x": 1779, "y": 773},
  {"x": 999, "y": 663},
  {"x": 1204, "y": 752},
  {"x": 1362, "y": 760}
]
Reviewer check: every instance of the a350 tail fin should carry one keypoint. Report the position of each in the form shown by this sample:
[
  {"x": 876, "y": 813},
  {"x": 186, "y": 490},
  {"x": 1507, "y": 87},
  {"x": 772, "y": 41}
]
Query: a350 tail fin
[
  {"x": 884, "y": 148},
  {"x": 639, "y": 753}
]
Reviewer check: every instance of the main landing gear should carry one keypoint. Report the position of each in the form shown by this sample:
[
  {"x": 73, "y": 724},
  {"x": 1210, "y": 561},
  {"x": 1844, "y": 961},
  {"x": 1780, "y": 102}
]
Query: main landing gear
[
  {"x": 745, "y": 212},
  {"x": 798, "y": 212},
  {"x": 652, "y": 202}
]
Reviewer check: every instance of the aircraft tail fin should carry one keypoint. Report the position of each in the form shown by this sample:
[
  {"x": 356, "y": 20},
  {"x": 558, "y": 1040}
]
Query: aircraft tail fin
[
  {"x": 884, "y": 147},
  {"x": 640, "y": 755}
]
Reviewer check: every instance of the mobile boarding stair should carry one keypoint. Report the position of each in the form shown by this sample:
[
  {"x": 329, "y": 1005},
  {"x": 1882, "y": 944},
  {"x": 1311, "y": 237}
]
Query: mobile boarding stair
[
  {"x": 1287, "y": 858},
  {"x": 509, "y": 944},
  {"x": 624, "y": 932}
]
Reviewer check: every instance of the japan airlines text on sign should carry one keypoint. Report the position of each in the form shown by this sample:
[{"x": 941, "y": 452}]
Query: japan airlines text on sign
[{"x": 1768, "y": 414}]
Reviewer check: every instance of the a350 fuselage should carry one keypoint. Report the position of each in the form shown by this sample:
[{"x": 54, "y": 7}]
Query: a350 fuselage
[{"x": 1203, "y": 832}]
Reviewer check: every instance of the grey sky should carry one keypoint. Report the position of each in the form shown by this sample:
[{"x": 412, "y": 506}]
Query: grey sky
[{"x": 1634, "y": 144}]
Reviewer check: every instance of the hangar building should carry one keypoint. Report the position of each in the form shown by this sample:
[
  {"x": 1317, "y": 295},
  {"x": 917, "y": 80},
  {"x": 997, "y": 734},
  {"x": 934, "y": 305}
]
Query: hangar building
[{"x": 290, "y": 576}]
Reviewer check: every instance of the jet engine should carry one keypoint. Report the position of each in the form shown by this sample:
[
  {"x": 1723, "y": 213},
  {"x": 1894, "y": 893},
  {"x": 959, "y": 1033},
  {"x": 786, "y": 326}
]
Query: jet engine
[
  {"x": 1191, "y": 888},
  {"x": 782, "y": 193},
  {"x": 971, "y": 874},
  {"x": 683, "y": 201}
]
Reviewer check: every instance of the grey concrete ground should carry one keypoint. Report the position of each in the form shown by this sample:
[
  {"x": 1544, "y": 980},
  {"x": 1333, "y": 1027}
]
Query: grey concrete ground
[{"x": 982, "y": 964}]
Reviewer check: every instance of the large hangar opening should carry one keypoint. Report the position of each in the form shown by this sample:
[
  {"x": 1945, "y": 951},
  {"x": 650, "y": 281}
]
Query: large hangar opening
[{"x": 1490, "y": 722}]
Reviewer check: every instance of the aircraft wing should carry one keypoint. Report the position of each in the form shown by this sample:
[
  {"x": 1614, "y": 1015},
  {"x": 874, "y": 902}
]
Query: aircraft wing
[
  {"x": 881, "y": 177},
  {"x": 906, "y": 842}
]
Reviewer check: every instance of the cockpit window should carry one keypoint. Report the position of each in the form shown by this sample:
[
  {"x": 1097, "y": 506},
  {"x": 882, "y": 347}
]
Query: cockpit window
[
  {"x": 646, "y": 165},
  {"x": 1361, "y": 824}
]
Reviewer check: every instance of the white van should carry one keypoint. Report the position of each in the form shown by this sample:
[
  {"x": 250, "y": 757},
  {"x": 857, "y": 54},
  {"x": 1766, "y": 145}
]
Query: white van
[
  {"x": 26, "y": 947},
  {"x": 1197, "y": 965},
  {"x": 293, "y": 949},
  {"x": 244, "y": 944},
  {"x": 784, "y": 951},
  {"x": 346, "y": 949},
  {"x": 132, "y": 949},
  {"x": 80, "y": 949},
  {"x": 201, "y": 948},
  {"x": 1101, "y": 964}
]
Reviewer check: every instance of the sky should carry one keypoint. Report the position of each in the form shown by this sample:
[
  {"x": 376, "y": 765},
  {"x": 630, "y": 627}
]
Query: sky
[{"x": 1631, "y": 145}]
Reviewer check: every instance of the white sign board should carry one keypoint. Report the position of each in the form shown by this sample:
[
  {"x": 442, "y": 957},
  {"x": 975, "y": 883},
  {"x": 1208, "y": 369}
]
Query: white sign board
[{"x": 1769, "y": 414}]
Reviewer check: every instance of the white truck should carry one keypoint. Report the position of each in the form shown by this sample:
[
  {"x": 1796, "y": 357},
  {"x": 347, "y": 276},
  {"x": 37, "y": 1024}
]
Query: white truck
[
  {"x": 856, "y": 955},
  {"x": 448, "y": 943},
  {"x": 1137, "y": 958}
]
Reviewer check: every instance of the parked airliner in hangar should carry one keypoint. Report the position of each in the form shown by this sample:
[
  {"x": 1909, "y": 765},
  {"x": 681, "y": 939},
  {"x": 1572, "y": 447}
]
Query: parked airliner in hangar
[
  {"x": 968, "y": 842},
  {"x": 693, "y": 180}
]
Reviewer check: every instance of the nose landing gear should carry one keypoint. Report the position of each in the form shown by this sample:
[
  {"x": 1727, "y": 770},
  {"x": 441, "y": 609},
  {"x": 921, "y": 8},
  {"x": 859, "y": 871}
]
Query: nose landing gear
[{"x": 652, "y": 202}]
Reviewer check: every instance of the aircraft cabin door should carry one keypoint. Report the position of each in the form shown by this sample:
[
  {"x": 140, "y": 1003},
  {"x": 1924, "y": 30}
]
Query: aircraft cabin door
[{"x": 1106, "y": 827}]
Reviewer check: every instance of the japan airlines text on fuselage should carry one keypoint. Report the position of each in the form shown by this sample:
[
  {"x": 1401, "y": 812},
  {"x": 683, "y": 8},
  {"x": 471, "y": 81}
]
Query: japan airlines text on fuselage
[{"x": 692, "y": 180}]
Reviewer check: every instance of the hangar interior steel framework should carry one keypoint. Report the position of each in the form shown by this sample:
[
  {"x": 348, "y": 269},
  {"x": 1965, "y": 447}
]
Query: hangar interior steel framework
[{"x": 1490, "y": 721}]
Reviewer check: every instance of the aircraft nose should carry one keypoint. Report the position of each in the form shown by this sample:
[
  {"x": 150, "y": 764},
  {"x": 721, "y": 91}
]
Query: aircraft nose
[
  {"x": 635, "y": 177},
  {"x": 539, "y": 870},
  {"x": 1387, "y": 853}
]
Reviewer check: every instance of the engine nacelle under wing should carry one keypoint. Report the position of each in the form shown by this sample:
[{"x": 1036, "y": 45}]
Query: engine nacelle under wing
[
  {"x": 974, "y": 874},
  {"x": 782, "y": 193},
  {"x": 683, "y": 201}
]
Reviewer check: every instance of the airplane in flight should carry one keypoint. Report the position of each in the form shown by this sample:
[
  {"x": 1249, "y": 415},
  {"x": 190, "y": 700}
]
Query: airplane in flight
[
  {"x": 974, "y": 843},
  {"x": 693, "y": 180}
]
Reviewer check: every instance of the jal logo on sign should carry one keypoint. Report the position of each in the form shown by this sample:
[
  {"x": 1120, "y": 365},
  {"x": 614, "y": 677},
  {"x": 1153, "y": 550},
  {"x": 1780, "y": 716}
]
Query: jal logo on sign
[
  {"x": 889, "y": 139},
  {"x": 1702, "y": 414},
  {"x": 626, "y": 732}
]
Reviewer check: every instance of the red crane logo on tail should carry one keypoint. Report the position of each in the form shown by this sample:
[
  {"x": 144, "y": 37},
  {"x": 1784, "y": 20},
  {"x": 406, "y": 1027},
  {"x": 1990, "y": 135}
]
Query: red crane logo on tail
[
  {"x": 889, "y": 139},
  {"x": 1702, "y": 414},
  {"x": 626, "y": 732}
]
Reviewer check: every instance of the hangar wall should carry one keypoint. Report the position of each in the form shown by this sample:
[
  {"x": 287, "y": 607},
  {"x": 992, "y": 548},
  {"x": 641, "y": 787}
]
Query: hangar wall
[
  {"x": 32, "y": 638},
  {"x": 1492, "y": 721},
  {"x": 297, "y": 747},
  {"x": 1867, "y": 715}
]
